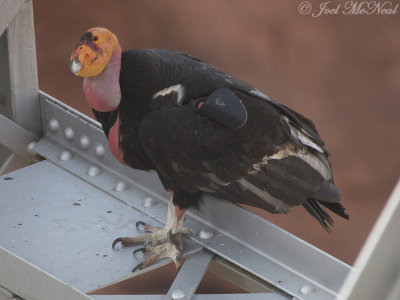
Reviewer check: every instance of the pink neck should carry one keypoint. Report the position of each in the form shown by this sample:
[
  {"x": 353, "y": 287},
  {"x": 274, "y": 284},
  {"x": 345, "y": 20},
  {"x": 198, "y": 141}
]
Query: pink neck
[{"x": 102, "y": 91}]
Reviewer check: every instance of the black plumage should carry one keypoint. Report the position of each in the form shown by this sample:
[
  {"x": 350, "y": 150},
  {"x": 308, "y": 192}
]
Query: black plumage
[{"x": 274, "y": 161}]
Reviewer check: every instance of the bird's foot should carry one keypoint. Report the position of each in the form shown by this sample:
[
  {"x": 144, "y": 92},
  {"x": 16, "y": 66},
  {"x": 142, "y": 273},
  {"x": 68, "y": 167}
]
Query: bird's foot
[{"x": 159, "y": 242}]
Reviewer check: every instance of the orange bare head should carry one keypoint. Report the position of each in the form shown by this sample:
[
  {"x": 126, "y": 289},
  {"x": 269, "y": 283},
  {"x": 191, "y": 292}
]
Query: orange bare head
[{"x": 93, "y": 52}]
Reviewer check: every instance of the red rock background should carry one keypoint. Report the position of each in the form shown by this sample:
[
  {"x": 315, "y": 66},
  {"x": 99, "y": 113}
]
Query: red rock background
[{"x": 342, "y": 71}]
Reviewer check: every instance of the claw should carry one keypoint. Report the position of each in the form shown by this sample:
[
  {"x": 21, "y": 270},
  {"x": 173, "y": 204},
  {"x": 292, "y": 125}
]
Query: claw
[
  {"x": 138, "y": 223},
  {"x": 159, "y": 242},
  {"x": 116, "y": 241},
  {"x": 143, "y": 250},
  {"x": 138, "y": 267}
]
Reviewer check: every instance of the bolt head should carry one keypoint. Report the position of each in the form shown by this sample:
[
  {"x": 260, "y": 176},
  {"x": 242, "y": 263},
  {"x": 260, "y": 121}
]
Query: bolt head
[
  {"x": 65, "y": 156},
  {"x": 93, "y": 171},
  {"x": 54, "y": 125},
  {"x": 149, "y": 202},
  {"x": 307, "y": 289},
  {"x": 69, "y": 134},
  {"x": 84, "y": 142},
  {"x": 178, "y": 294},
  {"x": 121, "y": 187},
  {"x": 206, "y": 234},
  {"x": 99, "y": 150},
  {"x": 30, "y": 147}
]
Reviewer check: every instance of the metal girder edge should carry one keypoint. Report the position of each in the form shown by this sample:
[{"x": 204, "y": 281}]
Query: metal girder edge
[
  {"x": 27, "y": 281},
  {"x": 259, "y": 296},
  {"x": 8, "y": 10},
  {"x": 12, "y": 163},
  {"x": 187, "y": 281},
  {"x": 23, "y": 69},
  {"x": 53, "y": 194},
  {"x": 290, "y": 264},
  {"x": 376, "y": 269},
  {"x": 16, "y": 138}
]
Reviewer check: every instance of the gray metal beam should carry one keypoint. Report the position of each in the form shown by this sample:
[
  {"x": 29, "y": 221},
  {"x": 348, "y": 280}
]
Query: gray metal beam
[
  {"x": 23, "y": 69},
  {"x": 273, "y": 255},
  {"x": 18, "y": 72},
  {"x": 5, "y": 90},
  {"x": 5, "y": 294},
  {"x": 16, "y": 138},
  {"x": 240, "y": 277},
  {"x": 8, "y": 10},
  {"x": 260, "y": 296},
  {"x": 13, "y": 162},
  {"x": 65, "y": 227},
  {"x": 27, "y": 281},
  {"x": 190, "y": 276},
  {"x": 376, "y": 270}
]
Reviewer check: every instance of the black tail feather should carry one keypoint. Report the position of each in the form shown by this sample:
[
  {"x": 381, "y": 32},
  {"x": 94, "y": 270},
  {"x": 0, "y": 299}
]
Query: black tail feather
[
  {"x": 315, "y": 209},
  {"x": 337, "y": 208}
]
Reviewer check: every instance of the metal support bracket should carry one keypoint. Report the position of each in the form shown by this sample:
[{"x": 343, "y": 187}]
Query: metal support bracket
[{"x": 76, "y": 143}]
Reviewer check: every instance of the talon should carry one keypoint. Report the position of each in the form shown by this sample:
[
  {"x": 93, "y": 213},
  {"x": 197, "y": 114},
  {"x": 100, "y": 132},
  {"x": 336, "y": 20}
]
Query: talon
[
  {"x": 159, "y": 242},
  {"x": 143, "y": 250},
  {"x": 138, "y": 223},
  {"x": 116, "y": 241},
  {"x": 138, "y": 267}
]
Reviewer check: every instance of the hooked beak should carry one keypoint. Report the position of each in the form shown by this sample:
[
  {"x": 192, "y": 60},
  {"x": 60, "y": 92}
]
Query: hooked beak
[{"x": 75, "y": 65}]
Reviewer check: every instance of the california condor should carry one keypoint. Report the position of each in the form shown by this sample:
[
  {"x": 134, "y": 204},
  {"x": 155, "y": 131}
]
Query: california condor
[{"x": 202, "y": 131}]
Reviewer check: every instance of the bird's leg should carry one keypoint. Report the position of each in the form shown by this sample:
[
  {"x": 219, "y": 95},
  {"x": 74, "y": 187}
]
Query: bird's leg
[{"x": 164, "y": 242}]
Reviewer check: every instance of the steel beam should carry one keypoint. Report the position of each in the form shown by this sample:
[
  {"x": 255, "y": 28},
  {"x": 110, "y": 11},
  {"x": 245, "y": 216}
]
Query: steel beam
[
  {"x": 8, "y": 10},
  {"x": 16, "y": 138},
  {"x": 27, "y": 281},
  {"x": 240, "y": 277},
  {"x": 376, "y": 270},
  {"x": 12, "y": 163},
  {"x": 260, "y": 296},
  {"x": 189, "y": 276},
  {"x": 23, "y": 69},
  {"x": 251, "y": 243}
]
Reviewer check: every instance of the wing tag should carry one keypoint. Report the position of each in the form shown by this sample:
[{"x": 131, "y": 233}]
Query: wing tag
[{"x": 224, "y": 107}]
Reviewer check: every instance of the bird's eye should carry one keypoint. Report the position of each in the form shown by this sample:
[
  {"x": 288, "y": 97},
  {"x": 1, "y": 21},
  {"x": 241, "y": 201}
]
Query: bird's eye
[{"x": 95, "y": 38}]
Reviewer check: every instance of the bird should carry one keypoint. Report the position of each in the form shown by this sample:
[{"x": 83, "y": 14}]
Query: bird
[{"x": 203, "y": 132}]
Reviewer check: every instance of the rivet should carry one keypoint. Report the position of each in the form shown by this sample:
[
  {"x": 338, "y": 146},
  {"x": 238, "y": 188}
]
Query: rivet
[
  {"x": 99, "y": 150},
  {"x": 65, "y": 155},
  {"x": 149, "y": 202},
  {"x": 121, "y": 187},
  {"x": 30, "y": 147},
  {"x": 93, "y": 171},
  {"x": 54, "y": 125},
  {"x": 306, "y": 290},
  {"x": 177, "y": 294},
  {"x": 84, "y": 142},
  {"x": 69, "y": 133},
  {"x": 206, "y": 234}
]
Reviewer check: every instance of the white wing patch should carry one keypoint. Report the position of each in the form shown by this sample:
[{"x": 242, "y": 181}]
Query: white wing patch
[
  {"x": 177, "y": 88},
  {"x": 280, "y": 206},
  {"x": 318, "y": 162},
  {"x": 308, "y": 142},
  {"x": 303, "y": 138},
  {"x": 259, "y": 94}
]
